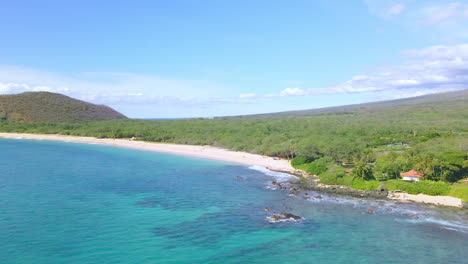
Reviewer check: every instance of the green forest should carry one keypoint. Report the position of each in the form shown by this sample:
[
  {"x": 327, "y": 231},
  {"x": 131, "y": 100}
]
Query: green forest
[{"x": 363, "y": 147}]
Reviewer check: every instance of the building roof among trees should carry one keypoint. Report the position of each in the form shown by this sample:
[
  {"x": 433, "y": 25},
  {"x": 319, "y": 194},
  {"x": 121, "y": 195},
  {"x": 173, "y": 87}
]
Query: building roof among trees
[{"x": 412, "y": 173}]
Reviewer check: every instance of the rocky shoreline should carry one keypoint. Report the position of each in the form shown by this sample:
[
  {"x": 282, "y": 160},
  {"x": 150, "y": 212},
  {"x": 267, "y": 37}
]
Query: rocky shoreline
[
  {"x": 295, "y": 189},
  {"x": 313, "y": 184},
  {"x": 348, "y": 191}
]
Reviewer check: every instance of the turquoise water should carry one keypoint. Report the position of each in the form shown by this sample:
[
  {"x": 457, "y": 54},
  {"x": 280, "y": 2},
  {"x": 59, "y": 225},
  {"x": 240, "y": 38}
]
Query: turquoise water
[{"x": 80, "y": 203}]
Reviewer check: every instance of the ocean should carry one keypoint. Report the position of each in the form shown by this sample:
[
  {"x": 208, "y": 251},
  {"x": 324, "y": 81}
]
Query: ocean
[{"x": 83, "y": 203}]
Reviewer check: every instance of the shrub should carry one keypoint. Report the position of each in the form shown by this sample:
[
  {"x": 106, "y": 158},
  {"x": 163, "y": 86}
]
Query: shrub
[
  {"x": 361, "y": 184},
  {"x": 380, "y": 176},
  {"x": 306, "y": 183},
  {"x": 333, "y": 175},
  {"x": 459, "y": 191},
  {"x": 347, "y": 180},
  {"x": 320, "y": 166},
  {"x": 329, "y": 178},
  {"x": 299, "y": 160},
  {"x": 426, "y": 187}
]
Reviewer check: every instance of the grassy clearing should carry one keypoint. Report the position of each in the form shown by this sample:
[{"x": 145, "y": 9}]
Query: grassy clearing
[
  {"x": 459, "y": 190},
  {"x": 425, "y": 187}
]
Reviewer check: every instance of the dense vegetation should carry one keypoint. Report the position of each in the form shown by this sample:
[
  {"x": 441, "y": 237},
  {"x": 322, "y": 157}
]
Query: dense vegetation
[
  {"x": 360, "y": 146},
  {"x": 51, "y": 107}
]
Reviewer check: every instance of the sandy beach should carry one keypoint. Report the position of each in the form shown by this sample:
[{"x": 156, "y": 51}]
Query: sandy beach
[
  {"x": 426, "y": 199},
  {"x": 220, "y": 154},
  {"x": 206, "y": 152}
]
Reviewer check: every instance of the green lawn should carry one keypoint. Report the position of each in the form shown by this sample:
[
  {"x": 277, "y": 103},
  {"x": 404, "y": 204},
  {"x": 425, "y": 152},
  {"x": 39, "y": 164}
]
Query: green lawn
[{"x": 459, "y": 190}]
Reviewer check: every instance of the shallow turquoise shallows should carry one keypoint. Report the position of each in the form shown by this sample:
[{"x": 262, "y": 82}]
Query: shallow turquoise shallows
[{"x": 67, "y": 203}]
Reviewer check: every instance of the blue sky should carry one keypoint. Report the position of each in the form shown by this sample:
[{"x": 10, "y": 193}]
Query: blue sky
[{"x": 214, "y": 58}]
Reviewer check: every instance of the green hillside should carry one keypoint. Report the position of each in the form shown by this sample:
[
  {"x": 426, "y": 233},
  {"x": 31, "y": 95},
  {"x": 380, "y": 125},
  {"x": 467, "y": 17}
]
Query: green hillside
[
  {"x": 425, "y": 102},
  {"x": 362, "y": 146},
  {"x": 51, "y": 107}
]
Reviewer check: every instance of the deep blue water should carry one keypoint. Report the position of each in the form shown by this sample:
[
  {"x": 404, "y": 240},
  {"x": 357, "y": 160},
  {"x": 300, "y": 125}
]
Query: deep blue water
[{"x": 80, "y": 203}]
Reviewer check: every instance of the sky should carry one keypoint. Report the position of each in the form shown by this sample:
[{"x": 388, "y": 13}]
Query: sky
[{"x": 192, "y": 58}]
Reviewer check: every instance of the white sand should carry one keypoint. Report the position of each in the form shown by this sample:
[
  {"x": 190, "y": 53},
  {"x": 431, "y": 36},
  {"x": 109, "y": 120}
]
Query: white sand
[
  {"x": 214, "y": 153},
  {"x": 427, "y": 199},
  {"x": 206, "y": 152}
]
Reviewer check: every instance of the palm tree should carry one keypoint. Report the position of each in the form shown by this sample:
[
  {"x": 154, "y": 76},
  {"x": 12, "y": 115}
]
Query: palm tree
[{"x": 363, "y": 171}]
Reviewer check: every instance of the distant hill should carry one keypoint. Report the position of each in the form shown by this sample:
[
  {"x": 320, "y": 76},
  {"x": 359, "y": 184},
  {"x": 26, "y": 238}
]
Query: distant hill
[
  {"x": 450, "y": 101},
  {"x": 52, "y": 107}
]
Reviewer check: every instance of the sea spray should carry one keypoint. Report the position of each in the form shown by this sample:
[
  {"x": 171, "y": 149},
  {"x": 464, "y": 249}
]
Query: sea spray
[{"x": 279, "y": 176}]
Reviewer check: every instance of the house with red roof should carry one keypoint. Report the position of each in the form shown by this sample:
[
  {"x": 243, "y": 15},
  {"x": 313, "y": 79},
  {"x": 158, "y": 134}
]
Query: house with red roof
[{"x": 411, "y": 175}]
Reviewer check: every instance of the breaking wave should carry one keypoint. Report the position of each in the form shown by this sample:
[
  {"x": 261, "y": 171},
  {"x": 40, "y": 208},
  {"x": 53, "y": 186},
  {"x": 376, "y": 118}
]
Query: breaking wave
[{"x": 279, "y": 176}]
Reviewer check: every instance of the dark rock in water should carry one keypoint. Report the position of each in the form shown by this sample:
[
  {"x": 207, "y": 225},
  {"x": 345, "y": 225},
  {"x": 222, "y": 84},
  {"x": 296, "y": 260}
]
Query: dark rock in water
[
  {"x": 290, "y": 216},
  {"x": 277, "y": 185},
  {"x": 294, "y": 191},
  {"x": 345, "y": 190},
  {"x": 240, "y": 178},
  {"x": 410, "y": 215},
  {"x": 318, "y": 197},
  {"x": 274, "y": 218},
  {"x": 283, "y": 217},
  {"x": 370, "y": 210},
  {"x": 266, "y": 209}
]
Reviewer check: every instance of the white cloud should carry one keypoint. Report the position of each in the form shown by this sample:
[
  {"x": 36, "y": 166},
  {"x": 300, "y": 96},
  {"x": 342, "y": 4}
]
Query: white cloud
[
  {"x": 439, "y": 52},
  {"x": 109, "y": 87},
  {"x": 13, "y": 88},
  {"x": 430, "y": 70},
  {"x": 292, "y": 92},
  {"x": 396, "y": 9},
  {"x": 405, "y": 82},
  {"x": 441, "y": 68},
  {"x": 247, "y": 96},
  {"x": 443, "y": 20},
  {"x": 436, "y": 14}
]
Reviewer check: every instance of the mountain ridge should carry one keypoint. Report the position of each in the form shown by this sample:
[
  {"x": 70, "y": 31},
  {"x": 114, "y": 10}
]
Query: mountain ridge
[
  {"x": 455, "y": 96},
  {"x": 52, "y": 107}
]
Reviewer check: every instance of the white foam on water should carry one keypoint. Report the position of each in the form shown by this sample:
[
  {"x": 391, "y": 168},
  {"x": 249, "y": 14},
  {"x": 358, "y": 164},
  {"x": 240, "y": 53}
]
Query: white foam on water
[
  {"x": 279, "y": 176},
  {"x": 422, "y": 214},
  {"x": 272, "y": 220},
  {"x": 406, "y": 212},
  {"x": 449, "y": 225}
]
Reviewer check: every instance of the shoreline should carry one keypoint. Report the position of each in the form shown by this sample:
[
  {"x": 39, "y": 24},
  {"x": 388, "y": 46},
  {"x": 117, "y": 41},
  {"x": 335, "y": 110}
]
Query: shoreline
[
  {"x": 207, "y": 152},
  {"x": 219, "y": 154},
  {"x": 397, "y": 196},
  {"x": 426, "y": 199}
]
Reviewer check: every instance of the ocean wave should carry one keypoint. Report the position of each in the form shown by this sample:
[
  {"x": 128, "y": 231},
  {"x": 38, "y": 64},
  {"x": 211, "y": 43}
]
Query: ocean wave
[
  {"x": 405, "y": 212},
  {"x": 449, "y": 225},
  {"x": 279, "y": 176}
]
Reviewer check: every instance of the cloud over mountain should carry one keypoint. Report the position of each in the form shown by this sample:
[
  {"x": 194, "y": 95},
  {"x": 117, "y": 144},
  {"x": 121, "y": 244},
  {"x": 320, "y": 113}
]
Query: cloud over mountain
[{"x": 429, "y": 70}]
